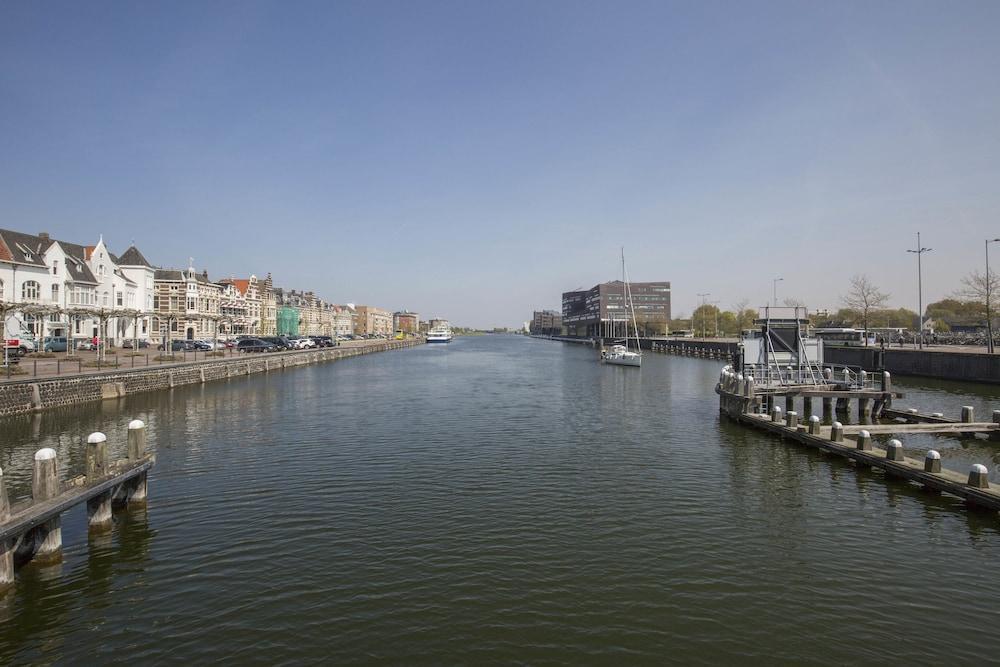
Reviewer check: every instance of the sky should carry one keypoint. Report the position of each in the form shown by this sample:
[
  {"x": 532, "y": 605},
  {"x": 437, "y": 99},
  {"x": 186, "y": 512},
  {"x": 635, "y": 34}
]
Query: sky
[{"x": 474, "y": 160}]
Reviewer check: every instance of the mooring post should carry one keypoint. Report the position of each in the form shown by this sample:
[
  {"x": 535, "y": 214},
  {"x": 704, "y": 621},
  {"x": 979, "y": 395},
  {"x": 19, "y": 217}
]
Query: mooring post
[
  {"x": 886, "y": 381},
  {"x": 789, "y": 403},
  {"x": 776, "y": 414},
  {"x": 98, "y": 507},
  {"x": 894, "y": 451},
  {"x": 967, "y": 413},
  {"x": 814, "y": 425},
  {"x": 827, "y": 373},
  {"x": 837, "y": 432},
  {"x": 979, "y": 476},
  {"x": 791, "y": 419},
  {"x": 827, "y": 409},
  {"x": 932, "y": 462},
  {"x": 996, "y": 416},
  {"x": 865, "y": 441},
  {"x": 136, "y": 450},
  {"x": 6, "y": 546},
  {"x": 807, "y": 406},
  {"x": 862, "y": 378},
  {"x": 45, "y": 486}
]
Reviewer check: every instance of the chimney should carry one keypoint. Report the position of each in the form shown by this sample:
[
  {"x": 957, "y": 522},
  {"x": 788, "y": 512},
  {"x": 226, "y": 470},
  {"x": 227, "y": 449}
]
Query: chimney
[
  {"x": 43, "y": 236},
  {"x": 204, "y": 274}
]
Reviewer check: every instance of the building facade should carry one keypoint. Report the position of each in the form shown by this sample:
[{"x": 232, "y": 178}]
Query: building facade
[
  {"x": 602, "y": 311},
  {"x": 372, "y": 321},
  {"x": 186, "y": 305},
  {"x": 546, "y": 323},
  {"x": 406, "y": 322}
]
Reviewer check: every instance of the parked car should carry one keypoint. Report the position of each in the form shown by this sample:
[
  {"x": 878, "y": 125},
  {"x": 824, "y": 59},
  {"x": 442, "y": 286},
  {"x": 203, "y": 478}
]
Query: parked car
[
  {"x": 179, "y": 345},
  {"x": 88, "y": 344},
  {"x": 201, "y": 345},
  {"x": 224, "y": 344},
  {"x": 278, "y": 342},
  {"x": 54, "y": 344},
  {"x": 254, "y": 345},
  {"x": 323, "y": 341},
  {"x": 127, "y": 344},
  {"x": 21, "y": 346}
]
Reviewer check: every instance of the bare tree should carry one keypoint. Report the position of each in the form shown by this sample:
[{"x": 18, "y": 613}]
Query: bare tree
[
  {"x": 740, "y": 307},
  {"x": 975, "y": 289},
  {"x": 864, "y": 297},
  {"x": 792, "y": 302}
]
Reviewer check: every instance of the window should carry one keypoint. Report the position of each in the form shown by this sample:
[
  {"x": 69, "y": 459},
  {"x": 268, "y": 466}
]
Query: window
[
  {"x": 55, "y": 294},
  {"x": 29, "y": 291},
  {"x": 105, "y": 300},
  {"x": 156, "y": 302},
  {"x": 190, "y": 304},
  {"x": 119, "y": 299},
  {"x": 55, "y": 267}
]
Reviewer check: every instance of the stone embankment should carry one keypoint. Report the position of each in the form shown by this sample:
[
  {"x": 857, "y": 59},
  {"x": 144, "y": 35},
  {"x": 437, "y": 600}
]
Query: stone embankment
[{"x": 27, "y": 396}]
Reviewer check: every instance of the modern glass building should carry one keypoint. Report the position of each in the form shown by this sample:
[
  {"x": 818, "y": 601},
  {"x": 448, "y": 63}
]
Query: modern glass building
[{"x": 601, "y": 311}]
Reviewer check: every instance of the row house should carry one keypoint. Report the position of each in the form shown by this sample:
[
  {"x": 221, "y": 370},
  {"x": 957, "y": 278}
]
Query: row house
[
  {"x": 268, "y": 308},
  {"x": 51, "y": 287},
  {"x": 343, "y": 321},
  {"x": 406, "y": 322},
  {"x": 186, "y": 304},
  {"x": 372, "y": 321},
  {"x": 315, "y": 316}
]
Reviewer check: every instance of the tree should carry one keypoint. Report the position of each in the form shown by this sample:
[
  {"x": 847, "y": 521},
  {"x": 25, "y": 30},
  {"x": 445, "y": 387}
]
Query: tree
[
  {"x": 704, "y": 319},
  {"x": 974, "y": 289},
  {"x": 792, "y": 302},
  {"x": 864, "y": 297},
  {"x": 727, "y": 324}
]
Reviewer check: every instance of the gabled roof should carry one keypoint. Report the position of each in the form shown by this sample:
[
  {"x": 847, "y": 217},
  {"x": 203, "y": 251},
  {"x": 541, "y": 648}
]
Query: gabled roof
[
  {"x": 241, "y": 284},
  {"x": 29, "y": 249},
  {"x": 132, "y": 257}
]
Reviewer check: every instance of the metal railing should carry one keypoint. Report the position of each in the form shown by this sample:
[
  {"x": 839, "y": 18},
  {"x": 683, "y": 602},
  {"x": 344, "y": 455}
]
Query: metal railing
[{"x": 820, "y": 375}]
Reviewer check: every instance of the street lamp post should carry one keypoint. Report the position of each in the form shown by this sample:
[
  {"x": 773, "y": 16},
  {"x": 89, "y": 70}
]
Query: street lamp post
[
  {"x": 989, "y": 323},
  {"x": 703, "y": 295},
  {"x": 920, "y": 289},
  {"x": 774, "y": 291}
]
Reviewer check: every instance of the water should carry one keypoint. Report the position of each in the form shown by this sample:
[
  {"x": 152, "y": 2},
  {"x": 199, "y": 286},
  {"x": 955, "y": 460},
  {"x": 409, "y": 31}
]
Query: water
[{"x": 499, "y": 499}]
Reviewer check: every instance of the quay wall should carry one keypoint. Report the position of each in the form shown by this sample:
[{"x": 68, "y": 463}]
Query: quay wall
[
  {"x": 715, "y": 349},
  {"x": 27, "y": 396},
  {"x": 943, "y": 365}
]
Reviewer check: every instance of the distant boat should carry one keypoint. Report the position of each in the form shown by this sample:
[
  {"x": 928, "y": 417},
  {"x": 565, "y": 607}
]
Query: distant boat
[
  {"x": 620, "y": 354},
  {"x": 439, "y": 335}
]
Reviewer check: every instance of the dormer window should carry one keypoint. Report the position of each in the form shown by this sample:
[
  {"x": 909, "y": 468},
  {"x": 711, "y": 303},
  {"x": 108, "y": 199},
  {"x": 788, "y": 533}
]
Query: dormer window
[{"x": 55, "y": 267}]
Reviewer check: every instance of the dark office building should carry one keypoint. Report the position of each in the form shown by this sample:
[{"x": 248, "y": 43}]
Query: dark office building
[
  {"x": 601, "y": 310},
  {"x": 546, "y": 323}
]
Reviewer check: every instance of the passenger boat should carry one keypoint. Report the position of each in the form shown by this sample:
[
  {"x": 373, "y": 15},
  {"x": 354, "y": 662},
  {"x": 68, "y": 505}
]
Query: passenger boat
[{"x": 439, "y": 335}]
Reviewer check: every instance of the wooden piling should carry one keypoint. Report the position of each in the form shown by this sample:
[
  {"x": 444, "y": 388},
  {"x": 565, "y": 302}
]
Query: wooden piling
[
  {"x": 967, "y": 414},
  {"x": 776, "y": 414},
  {"x": 789, "y": 403},
  {"x": 932, "y": 462},
  {"x": 814, "y": 427},
  {"x": 98, "y": 507},
  {"x": 894, "y": 451},
  {"x": 827, "y": 409},
  {"x": 47, "y": 537},
  {"x": 137, "y": 487},
  {"x": 6, "y": 545},
  {"x": 807, "y": 407},
  {"x": 792, "y": 419},
  {"x": 864, "y": 409},
  {"x": 837, "y": 432}
]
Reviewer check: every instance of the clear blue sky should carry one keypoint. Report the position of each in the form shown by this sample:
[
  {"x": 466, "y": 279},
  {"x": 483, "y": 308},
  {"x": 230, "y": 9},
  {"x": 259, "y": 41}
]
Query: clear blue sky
[{"x": 475, "y": 159}]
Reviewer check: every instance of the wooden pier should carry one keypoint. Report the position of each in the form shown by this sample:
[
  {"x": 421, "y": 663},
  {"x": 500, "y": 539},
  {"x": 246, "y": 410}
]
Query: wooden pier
[
  {"x": 739, "y": 400},
  {"x": 32, "y": 530}
]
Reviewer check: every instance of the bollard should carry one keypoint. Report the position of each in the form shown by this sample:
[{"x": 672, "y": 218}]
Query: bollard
[
  {"x": 814, "y": 425},
  {"x": 6, "y": 546},
  {"x": 932, "y": 462},
  {"x": 792, "y": 419},
  {"x": 979, "y": 476},
  {"x": 967, "y": 413},
  {"x": 865, "y": 441},
  {"x": 827, "y": 373},
  {"x": 776, "y": 414},
  {"x": 937, "y": 414},
  {"x": 136, "y": 450},
  {"x": 886, "y": 381},
  {"x": 837, "y": 432},
  {"x": 98, "y": 507},
  {"x": 894, "y": 451},
  {"x": 47, "y": 537},
  {"x": 862, "y": 378},
  {"x": 996, "y": 416}
]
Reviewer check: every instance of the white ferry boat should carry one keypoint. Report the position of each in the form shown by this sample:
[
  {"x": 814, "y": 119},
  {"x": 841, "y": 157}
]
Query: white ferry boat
[{"x": 439, "y": 335}]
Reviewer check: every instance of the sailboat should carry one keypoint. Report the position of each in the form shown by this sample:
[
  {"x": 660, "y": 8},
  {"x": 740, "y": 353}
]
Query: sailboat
[{"x": 621, "y": 355}]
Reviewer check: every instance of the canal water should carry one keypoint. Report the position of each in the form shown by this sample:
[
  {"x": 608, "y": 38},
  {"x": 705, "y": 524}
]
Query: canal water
[{"x": 499, "y": 500}]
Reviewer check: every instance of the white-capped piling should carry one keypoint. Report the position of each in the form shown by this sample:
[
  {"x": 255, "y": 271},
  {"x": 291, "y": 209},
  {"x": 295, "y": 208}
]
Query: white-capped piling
[
  {"x": 996, "y": 416},
  {"x": 894, "y": 451},
  {"x": 792, "y": 419},
  {"x": 6, "y": 546},
  {"x": 137, "y": 450},
  {"x": 47, "y": 537},
  {"x": 837, "y": 432},
  {"x": 862, "y": 378},
  {"x": 814, "y": 425},
  {"x": 979, "y": 476},
  {"x": 776, "y": 414},
  {"x": 967, "y": 414},
  {"x": 827, "y": 373},
  {"x": 865, "y": 441},
  {"x": 98, "y": 507},
  {"x": 932, "y": 461}
]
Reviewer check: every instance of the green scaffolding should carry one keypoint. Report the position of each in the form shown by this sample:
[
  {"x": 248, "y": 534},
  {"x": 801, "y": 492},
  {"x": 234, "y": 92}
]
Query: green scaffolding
[{"x": 288, "y": 321}]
